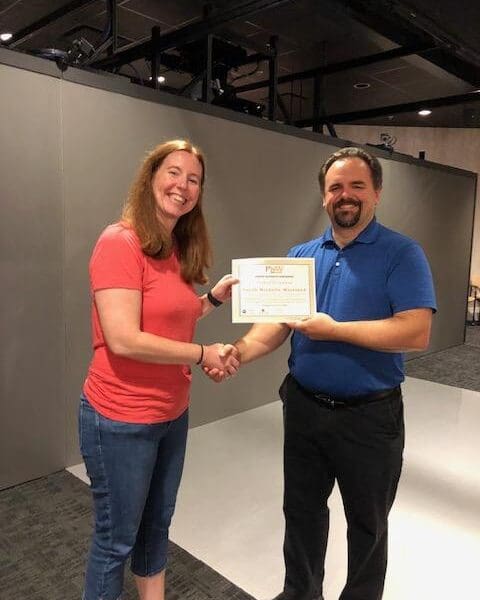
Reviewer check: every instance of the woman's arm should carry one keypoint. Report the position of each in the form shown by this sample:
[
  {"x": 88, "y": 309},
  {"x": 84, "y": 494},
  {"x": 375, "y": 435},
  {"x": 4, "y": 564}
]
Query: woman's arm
[{"x": 119, "y": 311}]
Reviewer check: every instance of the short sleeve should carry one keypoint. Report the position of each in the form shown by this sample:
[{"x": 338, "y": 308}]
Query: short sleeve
[
  {"x": 292, "y": 252},
  {"x": 117, "y": 260},
  {"x": 410, "y": 282}
]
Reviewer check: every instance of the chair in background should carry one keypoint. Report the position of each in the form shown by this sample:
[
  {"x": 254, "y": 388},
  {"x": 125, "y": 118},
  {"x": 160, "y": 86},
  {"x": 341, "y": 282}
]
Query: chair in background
[{"x": 474, "y": 301}]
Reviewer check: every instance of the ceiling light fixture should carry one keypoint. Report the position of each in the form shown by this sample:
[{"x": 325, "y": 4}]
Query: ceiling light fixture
[
  {"x": 361, "y": 86},
  {"x": 425, "y": 112},
  {"x": 6, "y": 36}
]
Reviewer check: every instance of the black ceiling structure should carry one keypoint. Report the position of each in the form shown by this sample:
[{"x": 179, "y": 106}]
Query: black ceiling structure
[{"x": 309, "y": 63}]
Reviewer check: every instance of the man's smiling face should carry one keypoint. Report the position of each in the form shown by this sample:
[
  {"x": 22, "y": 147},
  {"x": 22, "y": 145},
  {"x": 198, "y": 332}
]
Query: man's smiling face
[{"x": 350, "y": 197}]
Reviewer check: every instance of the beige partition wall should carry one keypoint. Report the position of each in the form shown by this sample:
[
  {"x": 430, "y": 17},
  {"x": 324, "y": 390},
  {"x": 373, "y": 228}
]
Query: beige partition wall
[{"x": 261, "y": 197}]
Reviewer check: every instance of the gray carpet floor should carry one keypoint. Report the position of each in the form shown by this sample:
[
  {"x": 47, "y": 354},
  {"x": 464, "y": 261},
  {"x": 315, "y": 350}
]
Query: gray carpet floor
[
  {"x": 457, "y": 366},
  {"x": 45, "y": 528}
]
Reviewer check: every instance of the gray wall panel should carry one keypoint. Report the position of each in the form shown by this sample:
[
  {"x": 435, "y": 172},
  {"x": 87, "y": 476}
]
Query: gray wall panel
[
  {"x": 436, "y": 208},
  {"x": 32, "y": 408},
  {"x": 117, "y": 131},
  {"x": 261, "y": 197}
]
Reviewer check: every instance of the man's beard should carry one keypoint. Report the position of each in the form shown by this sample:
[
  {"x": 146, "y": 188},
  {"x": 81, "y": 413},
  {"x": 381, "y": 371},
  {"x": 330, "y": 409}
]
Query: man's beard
[{"x": 349, "y": 220}]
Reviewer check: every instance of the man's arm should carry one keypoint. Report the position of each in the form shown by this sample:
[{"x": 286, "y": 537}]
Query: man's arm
[
  {"x": 406, "y": 330},
  {"x": 260, "y": 340}
]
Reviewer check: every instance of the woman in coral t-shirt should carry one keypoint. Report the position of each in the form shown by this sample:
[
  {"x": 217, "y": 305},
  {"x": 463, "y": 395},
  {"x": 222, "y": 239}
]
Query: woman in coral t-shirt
[{"x": 134, "y": 406}]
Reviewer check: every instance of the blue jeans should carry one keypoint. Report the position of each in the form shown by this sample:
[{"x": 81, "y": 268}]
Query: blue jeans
[{"x": 135, "y": 471}]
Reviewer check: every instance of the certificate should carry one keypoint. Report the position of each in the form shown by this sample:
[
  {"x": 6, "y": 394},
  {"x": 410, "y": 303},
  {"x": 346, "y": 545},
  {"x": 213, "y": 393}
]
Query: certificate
[{"x": 273, "y": 290}]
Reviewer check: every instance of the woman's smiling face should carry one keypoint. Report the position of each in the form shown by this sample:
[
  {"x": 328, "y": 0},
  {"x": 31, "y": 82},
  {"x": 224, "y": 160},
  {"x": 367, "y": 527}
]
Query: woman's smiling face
[{"x": 176, "y": 186}]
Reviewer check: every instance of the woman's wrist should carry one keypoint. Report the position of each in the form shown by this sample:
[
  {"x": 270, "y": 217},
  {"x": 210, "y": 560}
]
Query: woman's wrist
[
  {"x": 214, "y": 301},
  {"x": 202, "y": 352}
]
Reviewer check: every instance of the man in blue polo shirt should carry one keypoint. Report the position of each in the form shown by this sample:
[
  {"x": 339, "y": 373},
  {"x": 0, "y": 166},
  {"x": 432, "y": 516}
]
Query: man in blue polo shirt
[{"x": 342, "y": 400}]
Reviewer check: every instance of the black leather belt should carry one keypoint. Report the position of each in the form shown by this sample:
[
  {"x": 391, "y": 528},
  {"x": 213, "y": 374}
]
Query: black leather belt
[{"x": 334, "y": 402}]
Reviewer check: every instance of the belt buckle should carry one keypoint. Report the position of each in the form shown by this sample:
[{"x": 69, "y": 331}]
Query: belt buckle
[
  {"x": 327, "y": 401},
  {"x": 330, "y": 402}
]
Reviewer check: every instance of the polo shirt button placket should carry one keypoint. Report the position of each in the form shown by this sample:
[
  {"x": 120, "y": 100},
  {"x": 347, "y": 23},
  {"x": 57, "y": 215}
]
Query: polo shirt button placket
[{"x": 339, "y": 256}]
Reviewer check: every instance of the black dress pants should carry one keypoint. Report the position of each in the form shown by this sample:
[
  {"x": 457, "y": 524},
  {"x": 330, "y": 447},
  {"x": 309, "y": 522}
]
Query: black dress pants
[{"x": 360, "y": 447}]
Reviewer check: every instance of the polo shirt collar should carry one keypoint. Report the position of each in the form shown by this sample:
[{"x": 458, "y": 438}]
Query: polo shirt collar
[{"x": 367, "y": 236}]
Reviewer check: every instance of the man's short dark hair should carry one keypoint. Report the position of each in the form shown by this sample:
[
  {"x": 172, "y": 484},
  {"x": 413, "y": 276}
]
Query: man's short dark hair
[{"x": 352, "y": 152}]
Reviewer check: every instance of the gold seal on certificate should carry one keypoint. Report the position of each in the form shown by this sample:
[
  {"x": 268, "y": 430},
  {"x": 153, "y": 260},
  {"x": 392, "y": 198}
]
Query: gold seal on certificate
[{"x": 273, "y": 290}]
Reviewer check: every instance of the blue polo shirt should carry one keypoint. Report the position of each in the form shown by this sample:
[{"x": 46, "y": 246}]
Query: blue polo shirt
[{"x": 380, "y": 273}]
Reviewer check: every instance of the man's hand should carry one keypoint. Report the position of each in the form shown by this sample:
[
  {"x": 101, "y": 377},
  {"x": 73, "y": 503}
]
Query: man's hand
[
  {"x": 319, "y": 327},
  {"x": 220, "y": 361},
  {"x": 403, "y": 332}
]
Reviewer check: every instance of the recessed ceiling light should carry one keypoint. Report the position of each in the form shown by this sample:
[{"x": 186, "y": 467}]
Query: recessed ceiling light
[
  {"x": 425, "y": 112},
  {"x": 361, "y": 86},
  {"x": 6, "y": 36}
]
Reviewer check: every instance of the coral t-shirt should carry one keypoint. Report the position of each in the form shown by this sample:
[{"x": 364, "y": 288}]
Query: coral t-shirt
[{"x": 124, "y": 389}]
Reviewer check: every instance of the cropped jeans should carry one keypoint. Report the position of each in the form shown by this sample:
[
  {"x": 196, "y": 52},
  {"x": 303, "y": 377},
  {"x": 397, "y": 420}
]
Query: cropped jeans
[{"x": 135, "y": 471}]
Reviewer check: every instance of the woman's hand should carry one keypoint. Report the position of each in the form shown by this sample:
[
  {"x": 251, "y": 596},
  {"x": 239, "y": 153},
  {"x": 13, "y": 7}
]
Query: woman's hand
[
  {"x": 223, "y": 358},
  {"x": 222, "y": 290},
  {"x": 218, "y": 294}
]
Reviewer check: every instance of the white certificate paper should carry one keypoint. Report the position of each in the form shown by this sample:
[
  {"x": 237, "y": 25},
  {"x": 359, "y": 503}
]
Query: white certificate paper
[{"x": 273, "y": 290}]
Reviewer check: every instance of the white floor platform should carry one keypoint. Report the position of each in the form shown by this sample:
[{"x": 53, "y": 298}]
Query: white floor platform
[{"x": 229, "y": 507}]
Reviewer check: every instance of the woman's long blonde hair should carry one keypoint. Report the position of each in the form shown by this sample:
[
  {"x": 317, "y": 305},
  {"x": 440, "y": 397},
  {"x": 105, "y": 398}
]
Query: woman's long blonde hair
[{"x": 190, "y": 232}]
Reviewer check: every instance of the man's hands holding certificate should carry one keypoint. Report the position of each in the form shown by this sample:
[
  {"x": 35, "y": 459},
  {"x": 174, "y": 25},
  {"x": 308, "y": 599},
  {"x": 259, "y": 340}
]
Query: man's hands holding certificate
[{"x": 319, "y": 327}]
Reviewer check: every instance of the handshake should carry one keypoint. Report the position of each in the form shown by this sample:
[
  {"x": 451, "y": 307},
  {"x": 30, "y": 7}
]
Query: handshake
[{"x": 220, "y": 361}]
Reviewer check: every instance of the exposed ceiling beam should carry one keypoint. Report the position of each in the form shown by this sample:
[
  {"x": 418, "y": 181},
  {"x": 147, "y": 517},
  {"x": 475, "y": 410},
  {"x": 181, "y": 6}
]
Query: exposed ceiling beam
[
  {"x": 455, "y": 65},
  {"x": 27, "y": 32},
  {"x": 425, "y": 23},
  {"x": 190, "y": 33},
  {"x": 244, "y": 42},
  {"x": 405, "y": 26},
  {"x": 340, "y": 66},
  {"x": 384, "y": 111}
]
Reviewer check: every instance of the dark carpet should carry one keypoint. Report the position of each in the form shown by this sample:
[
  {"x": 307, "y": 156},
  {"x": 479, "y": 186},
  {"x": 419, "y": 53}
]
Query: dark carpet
[
  {"x": 45, "y": 528},
  {"x": 457, "y": 366}
]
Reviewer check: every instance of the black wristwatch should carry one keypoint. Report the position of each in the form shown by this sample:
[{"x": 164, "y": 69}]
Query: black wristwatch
[{"x": 213, "y": 301}]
